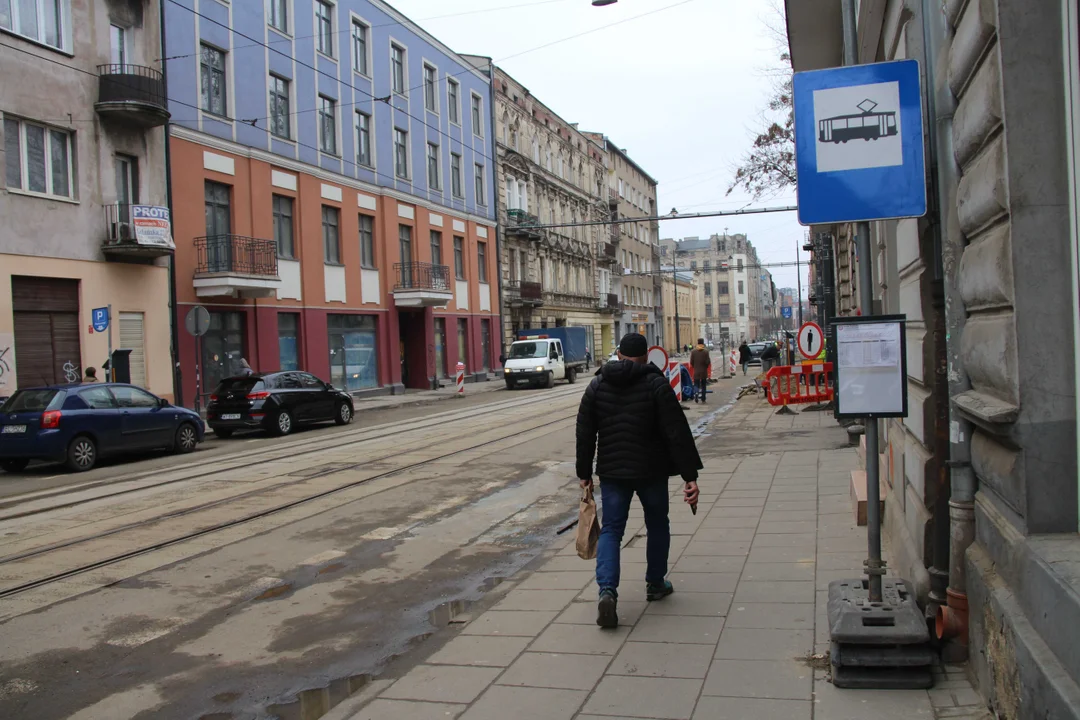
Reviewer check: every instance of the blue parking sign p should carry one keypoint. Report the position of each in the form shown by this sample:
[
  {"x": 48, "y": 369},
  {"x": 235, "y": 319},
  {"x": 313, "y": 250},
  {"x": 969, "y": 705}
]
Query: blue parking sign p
[{"x": 99, "y": 318}]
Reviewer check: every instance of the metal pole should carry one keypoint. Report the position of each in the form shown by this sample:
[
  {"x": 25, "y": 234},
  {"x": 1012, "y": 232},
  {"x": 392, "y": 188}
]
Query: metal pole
[
  {"x": 675, "y": 284},
  {"x": 866, "y": 302},
  {"x": 108, "y": 331}
]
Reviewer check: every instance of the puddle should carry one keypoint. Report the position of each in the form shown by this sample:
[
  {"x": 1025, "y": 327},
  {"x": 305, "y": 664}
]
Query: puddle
[
  {"x": 448, "y": 612},
  {"x": 314, "y": 703}
]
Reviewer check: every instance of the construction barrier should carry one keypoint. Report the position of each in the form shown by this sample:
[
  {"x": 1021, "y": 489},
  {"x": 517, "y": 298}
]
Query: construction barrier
[
  {"x": 461, "y": 378},
  {"x": 798, "y": 384},
  {"x": 691, "y": 369},
  {"x": 733, "y": 361},
  {"x": 675, "y": 378}
]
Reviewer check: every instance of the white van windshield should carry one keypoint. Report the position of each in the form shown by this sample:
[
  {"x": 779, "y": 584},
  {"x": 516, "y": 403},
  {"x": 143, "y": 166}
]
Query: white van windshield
[{"x": 523, "y": 350}]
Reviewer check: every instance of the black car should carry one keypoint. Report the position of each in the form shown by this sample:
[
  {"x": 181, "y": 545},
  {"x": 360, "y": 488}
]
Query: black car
[{"x": 276, "y": 402}]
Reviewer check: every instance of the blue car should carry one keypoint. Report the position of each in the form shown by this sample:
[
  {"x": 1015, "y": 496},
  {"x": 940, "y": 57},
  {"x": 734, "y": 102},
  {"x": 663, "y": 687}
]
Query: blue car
[{"x": 77, "y": 424}]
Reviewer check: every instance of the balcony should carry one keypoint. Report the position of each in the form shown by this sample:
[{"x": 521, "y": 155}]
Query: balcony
[
  {"x": 419, "y": 284},
  {"x": 522, "y": 293},
  {"x": 236, "y": 266},
  {"x": 569, "y": 300},
  {"x": 607, "y": 253},
  {"x": 521, "y": 224},
  {"x": 133, "y": 94},
  {"x": 610, "y": 303},
  {"x": 613, "y": 233},
  {"x": 612, "y": 196},
  {"x": 137, "y": 232}
]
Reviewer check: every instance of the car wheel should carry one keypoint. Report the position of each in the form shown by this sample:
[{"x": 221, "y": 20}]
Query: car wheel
[
  {"x": 14, "y": 465},
  {"x": 550, "y": 380},
  {"x": 187, "y": 439},
  {"x": 343, "y": 416},
  {"x": 81, "y": 454},
  {"x": 571, "y": 376},
  {"x": 223, "y": 433},
  {"x": 283, "y": 423}
]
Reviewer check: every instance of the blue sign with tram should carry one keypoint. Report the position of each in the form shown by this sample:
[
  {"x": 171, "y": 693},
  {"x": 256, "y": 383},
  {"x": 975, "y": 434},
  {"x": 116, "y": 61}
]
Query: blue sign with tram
[{"x": 859, "y": 143}]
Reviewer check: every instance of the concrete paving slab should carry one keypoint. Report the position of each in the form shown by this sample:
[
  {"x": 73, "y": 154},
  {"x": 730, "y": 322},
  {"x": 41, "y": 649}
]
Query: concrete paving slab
[
  {"x": 704, "y": 582},
  {"x": 402, "y": 709},
  {"x": 786, "y": 527},
  {"x": 728, "y": 523},
  {"x": 793, "y": 616},
  {"x": 803, "y": 540},
  {"x": 710, "y": 564},
  {"x": 556, "y": 670},
  {"x": 644, "y": 697},
  {"x": 832, "y": 703},
  {"x": 536, "y": 600},
  {"x": 841, "y": 561},
  {"x": 706, "y": 548},
  {"x": 583, "y": 612},
  {"x": 566, "y": 580},
  {"x": 759, "y": 644},
  {"x": 777, "y": 679},
  {"x": 487, "y": 650},
  {"x": 677, "y": 629},
  {"x": 575, "y": 639},
  {"x": 523, "y": 703},
  {"x": 782, "y": 554},
  {"x": 779, "y": 571},
  {"x": 442, "y": 683},
  {"x": 671, "y": 660},
  {"x": 690, "y": 604},
  {"x": 510, "y": 622},
  {"x": 715, "y": 708},
  {"x": 728, "y": 534},
  {"x": 774, "y": 591}
]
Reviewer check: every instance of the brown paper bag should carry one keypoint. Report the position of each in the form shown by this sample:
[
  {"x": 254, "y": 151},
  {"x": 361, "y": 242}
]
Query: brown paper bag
[{"x": 588, "y": 528}]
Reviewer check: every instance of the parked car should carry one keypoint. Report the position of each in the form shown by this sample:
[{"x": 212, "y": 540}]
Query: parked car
[
  {"x": 78, "y": 424},
  {"x": 756, "y": 348},
  {"x": 276, "y": 402}
]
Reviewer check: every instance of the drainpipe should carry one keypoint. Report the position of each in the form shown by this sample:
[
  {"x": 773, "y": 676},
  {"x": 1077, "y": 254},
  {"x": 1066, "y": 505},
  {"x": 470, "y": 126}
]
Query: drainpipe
[
  {"x": 174, "y": 332},
  {"x": 951, "y": 621}
]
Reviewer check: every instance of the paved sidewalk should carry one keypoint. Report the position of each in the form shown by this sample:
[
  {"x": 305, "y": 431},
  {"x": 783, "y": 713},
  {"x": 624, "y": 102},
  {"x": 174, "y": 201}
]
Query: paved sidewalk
[
  {"x": 734, "y": 642},
  {"x": 427, "y": 397}
]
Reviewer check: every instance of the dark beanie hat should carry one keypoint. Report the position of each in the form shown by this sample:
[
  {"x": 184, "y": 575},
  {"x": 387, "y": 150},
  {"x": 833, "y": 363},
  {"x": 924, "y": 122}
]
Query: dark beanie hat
[{"x": 634, "y": 345}]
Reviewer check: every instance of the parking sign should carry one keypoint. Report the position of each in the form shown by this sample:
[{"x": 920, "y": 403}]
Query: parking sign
[{"x": 99, "y": 318}]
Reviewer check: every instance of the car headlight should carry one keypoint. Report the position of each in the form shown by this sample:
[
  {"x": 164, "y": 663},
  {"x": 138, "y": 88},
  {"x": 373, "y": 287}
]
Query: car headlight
[
  {"x": 539, "y": 368},
  {"x": 506, "y": 370}
]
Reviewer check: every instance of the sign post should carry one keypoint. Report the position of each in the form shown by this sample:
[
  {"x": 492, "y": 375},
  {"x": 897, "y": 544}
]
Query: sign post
[
  {"x": 100, "y": 319},
  {"x": 197, "y": 324},
  {"x": 810, "y": 340}
]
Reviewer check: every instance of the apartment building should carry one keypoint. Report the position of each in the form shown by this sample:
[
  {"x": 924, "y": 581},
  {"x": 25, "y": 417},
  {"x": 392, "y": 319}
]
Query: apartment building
[
  {"x": 84, "y": 195},
  {"x": 980, "y": 478},
  {"x": 549, "y": 173},
  {"x": 682, "y": 313},
  {"x": 333, "y": 188},
  {"x": 631, "y": 248}
]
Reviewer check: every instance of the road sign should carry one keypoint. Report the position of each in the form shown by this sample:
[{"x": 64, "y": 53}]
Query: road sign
[
  {"x": 197, "y": 321},
  {"x": 859, "y": 143},
  {"x": 658, "y": 357},
  {"x": 99, "y": 319},
  {"x": 785, "y": 312},
  {"x": 810, "y": 340}
]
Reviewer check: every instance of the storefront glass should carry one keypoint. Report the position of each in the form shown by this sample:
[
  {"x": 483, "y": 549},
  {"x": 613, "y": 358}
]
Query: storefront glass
[
  {"x": 222, "y": 348},
  {"x": 288, "y": 332},
  {"x": 353, "y": 360},
  {"x": 440, "y": 347}
]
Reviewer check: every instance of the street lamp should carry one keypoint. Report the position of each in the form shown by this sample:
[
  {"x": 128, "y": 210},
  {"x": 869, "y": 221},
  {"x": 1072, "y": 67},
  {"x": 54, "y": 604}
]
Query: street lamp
[{"x": 602, "y": 3}]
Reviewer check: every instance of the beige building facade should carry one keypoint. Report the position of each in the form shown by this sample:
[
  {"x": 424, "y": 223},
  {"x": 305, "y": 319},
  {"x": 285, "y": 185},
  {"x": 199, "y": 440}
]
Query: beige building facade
[
  {"x": 84, "y": 157},
  {"x": 680, "y": 287}
]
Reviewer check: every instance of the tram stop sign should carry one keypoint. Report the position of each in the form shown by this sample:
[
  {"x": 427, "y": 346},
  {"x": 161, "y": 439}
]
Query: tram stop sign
[
  {"x": 859, "y": 143},
  {"x": 197, "y": 321}
]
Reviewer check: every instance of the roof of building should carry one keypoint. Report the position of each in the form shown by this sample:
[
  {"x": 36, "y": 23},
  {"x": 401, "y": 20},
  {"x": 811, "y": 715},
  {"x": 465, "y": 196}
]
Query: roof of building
[{"x": 611, "y": 146}]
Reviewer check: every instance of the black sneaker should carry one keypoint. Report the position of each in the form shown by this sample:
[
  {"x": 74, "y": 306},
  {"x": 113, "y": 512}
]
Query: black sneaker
[
  {"x": 658, "y": 592},
  {"x": 606, "y": 616}
]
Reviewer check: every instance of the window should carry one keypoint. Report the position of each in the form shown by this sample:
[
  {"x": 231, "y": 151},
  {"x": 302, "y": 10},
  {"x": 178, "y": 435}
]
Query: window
[
  {"x": 213, "y": 81},
  {"x": 353, "y": 356},
  {"x": 367, "y": 242},
  {"x": 98, "y": 398},
  {"x": 725, "y": 311},
  {"x": 459, "y": 258},
  {"x": 477, "y": 116},
  {"x": 722, "y": 288},
  {"x": 707, "y": 265},
  {"x": 360, "y": 47},
  {"x": 739, "y": 266},
  {"x": 132, "y": 397},
  {"x": 324, "y": 26},
  {"x": 741, "y": 287},
  {"x": 693, "y": 264},
  {"x": 708, "y": 311},
  {"x": 401, "y": 153},
  {"x": 363, "y": 139},
  {"x": 46, "y": 21},
  {"x": 283, "y": 226},
  {"x": 331, "y": 240},
  {"x": 218, "y": 209},
  {"x": 430, "y": 83},
  {"x": 433, "y": 166},
  {"x": 453, "y": 101},
  {"x": 119, "y": 53},
  {"x": 455, "y": 176},
  {"x": 436, "y": 247},
  {"x": 481, "y": 259},
  {"x": 127, "y": 185},
  {"x": 708, "y": 290},
  {"x": 481, "y": 199},
  {"x": 742, "y": 310},
  {"x": 279, "y": 15},
  {"x": 405, "y": 243},
  {"x": 462, "y": 340},
  {"x": 288, "y": 328},
  {"x": 279, "y": 106},
  {"x": 397, "y": 68},
  {"x": 327, "y": 125}
]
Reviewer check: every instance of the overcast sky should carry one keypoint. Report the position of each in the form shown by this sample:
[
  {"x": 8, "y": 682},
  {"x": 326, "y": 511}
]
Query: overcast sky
[{"x": 681, "y": 88}]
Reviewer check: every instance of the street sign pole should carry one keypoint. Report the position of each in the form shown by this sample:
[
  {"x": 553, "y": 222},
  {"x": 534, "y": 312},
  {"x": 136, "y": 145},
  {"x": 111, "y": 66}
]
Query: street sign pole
[{"x": 108, "y": 330}]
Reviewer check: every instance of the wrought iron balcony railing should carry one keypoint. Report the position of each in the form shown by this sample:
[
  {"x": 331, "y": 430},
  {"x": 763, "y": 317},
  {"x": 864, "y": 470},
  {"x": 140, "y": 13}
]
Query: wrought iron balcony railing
[
  {"x": 236, "y": 254},
  {"x": 133, "y": 92},
  {"x": 421, "y": 276}
]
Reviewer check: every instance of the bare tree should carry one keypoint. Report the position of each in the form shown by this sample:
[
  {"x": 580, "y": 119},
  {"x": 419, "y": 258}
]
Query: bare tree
[{"x": 768, "y": 167}]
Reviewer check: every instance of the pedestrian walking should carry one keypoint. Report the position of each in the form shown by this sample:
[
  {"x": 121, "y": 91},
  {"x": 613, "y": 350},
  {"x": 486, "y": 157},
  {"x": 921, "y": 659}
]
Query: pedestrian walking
[
  {"x": 588, "y": 360},
  {"x": 91, "y": 375},
  {"x": 699, "y": 363},
  {"x": 631, "y": 421},
  {"x": 744, "y": 356},
  {"x": 245, "y": 369},
  {"x": 770, "y": 356}
]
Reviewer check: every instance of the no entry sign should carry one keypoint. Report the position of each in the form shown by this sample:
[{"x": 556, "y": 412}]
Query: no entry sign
[{"x": 810, "y": 340}]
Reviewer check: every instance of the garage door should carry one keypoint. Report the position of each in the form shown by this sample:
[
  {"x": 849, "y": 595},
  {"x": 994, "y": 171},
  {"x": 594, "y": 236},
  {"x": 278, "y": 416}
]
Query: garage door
[
  {"x": 131, "y": 338},
  {"x": 46, "y": 330}
]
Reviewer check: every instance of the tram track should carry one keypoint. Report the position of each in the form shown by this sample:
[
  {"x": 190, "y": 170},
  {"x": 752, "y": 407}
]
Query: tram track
[{"x": 249, "y": 517}]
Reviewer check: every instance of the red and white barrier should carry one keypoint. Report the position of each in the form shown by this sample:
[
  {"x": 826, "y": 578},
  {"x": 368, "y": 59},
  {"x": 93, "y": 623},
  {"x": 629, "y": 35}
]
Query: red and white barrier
[
  {"x": 733, "y": 361},
  {"x": 461, "y": 379},
  {"x": 675, "y": 378}
]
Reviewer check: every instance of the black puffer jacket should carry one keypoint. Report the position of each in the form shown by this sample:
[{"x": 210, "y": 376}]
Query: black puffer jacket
[{"x": 643, "y": 432}]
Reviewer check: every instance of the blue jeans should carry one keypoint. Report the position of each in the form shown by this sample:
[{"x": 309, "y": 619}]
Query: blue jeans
[{"x": 615, "y": 506}]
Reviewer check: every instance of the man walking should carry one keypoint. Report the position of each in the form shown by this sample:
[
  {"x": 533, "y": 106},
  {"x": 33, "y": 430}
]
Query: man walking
[
  {"x": 644, "y": 439},
  {"x": 699, "y": 363},
  {"x": 770, "y": 356},
  {"x": 745, "y": 356}
]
